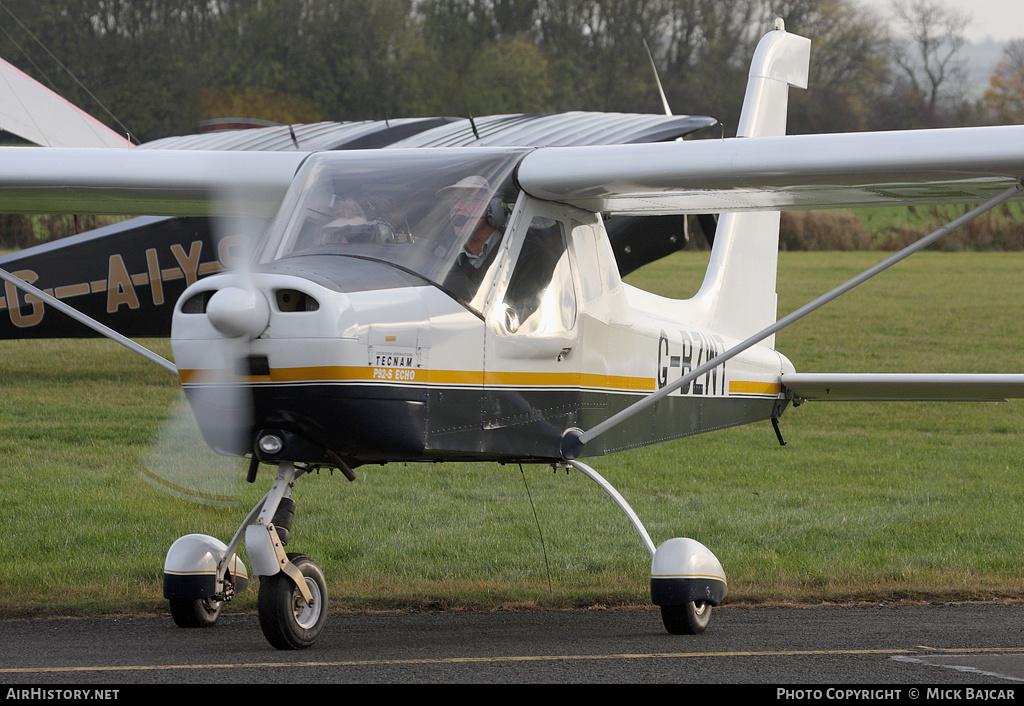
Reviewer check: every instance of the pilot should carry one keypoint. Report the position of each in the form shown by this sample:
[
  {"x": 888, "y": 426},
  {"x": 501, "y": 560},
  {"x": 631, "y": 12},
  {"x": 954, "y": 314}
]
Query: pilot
[
  {"x": 477, "y": 222},
  {"x": 471, "y": 197}
]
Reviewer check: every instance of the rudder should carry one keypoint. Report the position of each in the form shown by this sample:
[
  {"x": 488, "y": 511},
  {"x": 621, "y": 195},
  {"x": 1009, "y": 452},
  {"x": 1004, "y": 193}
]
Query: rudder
[{"x": 738, "y": 292}]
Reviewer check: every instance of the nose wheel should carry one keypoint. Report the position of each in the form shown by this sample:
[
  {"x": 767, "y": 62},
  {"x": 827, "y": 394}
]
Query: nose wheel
[{"x": 288, "y": 620}]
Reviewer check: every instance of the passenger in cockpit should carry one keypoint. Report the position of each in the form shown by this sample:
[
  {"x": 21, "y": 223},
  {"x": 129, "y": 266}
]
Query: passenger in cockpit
[
  {"x": 347, "y": 216},
  {"x": 350, "y": 224}
]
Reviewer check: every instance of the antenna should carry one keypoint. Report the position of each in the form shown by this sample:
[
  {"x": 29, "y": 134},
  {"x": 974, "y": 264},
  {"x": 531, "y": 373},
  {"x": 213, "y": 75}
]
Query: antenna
[
  {"x": 472, "y": 124},
  {"x": 657, "y": 80}
]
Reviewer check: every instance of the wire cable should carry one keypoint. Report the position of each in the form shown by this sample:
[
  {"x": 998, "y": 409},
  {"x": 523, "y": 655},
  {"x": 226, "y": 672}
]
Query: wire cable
[{"x": 536, "y": 519}]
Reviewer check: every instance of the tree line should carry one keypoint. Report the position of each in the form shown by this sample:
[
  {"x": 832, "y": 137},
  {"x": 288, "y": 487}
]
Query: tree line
[{"x": 156, "y": 68}]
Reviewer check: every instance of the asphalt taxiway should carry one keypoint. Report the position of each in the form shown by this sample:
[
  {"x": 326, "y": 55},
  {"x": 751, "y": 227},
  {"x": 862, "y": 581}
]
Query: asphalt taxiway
[{"x": 830, "y": 647}]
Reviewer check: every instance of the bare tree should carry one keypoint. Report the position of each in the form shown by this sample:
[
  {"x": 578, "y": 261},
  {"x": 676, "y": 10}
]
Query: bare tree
[{"x": 931, "y": 62}]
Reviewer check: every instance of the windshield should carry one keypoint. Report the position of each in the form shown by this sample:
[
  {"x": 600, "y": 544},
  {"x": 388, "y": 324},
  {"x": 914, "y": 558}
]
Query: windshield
[{"x": 438, "y": 213}]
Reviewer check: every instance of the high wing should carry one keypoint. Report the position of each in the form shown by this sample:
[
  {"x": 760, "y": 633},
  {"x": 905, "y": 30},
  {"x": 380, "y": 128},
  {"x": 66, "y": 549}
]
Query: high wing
[
  {"x": 144, "y": 182},
  {"x": 966, "y": 165},
  {"x": 958, "y": 165},
  {"x": 757, "y": 173},
  {"x": 782, "y": 173}
]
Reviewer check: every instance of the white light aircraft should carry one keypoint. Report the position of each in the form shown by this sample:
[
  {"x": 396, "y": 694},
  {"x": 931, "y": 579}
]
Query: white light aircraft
[{"x": 464, "y": 304}]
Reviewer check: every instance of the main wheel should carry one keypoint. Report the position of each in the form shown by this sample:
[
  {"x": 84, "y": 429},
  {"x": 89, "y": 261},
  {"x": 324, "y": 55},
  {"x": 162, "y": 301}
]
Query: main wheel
[
  {"x": 688, "y": 619},
  {"x": 286, "y": 622},
  {"x": 199, "y": 613}
]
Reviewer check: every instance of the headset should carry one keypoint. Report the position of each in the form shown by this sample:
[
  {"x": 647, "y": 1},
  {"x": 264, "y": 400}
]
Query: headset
[{"x": 497, "y": 213}]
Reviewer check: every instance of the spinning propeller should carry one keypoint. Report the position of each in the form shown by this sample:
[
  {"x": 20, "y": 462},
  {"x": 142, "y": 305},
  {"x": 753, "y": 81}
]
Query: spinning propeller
[{"x": 181, "y": 463}]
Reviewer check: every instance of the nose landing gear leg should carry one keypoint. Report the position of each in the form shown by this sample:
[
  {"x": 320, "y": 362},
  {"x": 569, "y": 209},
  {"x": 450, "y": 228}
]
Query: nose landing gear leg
[{"x": 292, "y": 599}]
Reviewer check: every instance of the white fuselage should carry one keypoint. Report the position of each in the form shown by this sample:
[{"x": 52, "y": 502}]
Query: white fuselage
[{"x": 377, "y": 373}]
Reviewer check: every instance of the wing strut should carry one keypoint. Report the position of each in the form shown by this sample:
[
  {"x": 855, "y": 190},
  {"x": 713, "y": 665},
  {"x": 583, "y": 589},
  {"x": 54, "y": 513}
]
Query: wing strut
[
  {"x": 574, "y": 439},
  {"x": 91, "y": 323}
]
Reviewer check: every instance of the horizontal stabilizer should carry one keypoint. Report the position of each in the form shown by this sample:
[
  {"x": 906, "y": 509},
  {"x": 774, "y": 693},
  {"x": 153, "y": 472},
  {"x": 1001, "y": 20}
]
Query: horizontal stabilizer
[{"x": 900, "y": 386}]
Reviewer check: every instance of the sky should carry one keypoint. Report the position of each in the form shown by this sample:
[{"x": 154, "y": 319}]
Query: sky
[
  {"x": 1000, "y": 20},
  {"x": 993, "y": 24}
]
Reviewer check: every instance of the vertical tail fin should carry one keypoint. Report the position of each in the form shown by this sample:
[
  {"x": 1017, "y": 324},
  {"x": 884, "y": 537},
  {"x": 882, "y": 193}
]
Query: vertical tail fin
[{"x": 739, "y": 288}]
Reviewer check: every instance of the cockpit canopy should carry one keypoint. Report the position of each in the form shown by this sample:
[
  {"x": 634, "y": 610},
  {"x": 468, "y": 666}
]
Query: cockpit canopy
[{"x": 439, "y": 214}]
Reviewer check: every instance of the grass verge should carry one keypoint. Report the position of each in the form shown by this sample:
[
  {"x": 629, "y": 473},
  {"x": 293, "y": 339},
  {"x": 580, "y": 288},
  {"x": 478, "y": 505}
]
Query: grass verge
[{"x": 866, "y": 502}]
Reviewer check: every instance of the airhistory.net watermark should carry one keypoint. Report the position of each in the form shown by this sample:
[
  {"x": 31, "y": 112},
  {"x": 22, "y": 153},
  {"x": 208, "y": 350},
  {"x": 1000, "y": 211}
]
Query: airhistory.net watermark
[{"x": 41, "y": 694}]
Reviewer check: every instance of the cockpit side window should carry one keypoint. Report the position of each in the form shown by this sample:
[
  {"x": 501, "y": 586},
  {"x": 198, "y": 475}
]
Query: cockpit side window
[{"x": 540, "y": 297}]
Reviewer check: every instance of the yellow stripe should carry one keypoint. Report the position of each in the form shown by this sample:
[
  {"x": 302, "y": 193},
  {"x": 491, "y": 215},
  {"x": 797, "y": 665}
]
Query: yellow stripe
[
  {"x": 313, "y": 374},
  {"x": 437, "y": 377},
  {"x": 749, "y": 387},
  {"x": 328, "y": 372},
  {"x": 454, "y": 377},
  {"x": 359, "y": 373},
  {"x": 343, "y": 373},
  {"x": 212, "y": 572},
  {"x": 293, "y": 664}
]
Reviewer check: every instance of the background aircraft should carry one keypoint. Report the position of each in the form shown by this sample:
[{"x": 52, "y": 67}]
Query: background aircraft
[{"x": 128, "y": 275}]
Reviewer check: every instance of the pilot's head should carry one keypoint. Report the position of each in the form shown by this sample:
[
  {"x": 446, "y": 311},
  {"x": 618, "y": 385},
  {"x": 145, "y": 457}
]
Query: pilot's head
[{"x": 468, "y": 200}]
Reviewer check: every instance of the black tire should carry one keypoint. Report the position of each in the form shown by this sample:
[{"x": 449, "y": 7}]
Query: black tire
[
  {"x": 286, "y": 623},
  {"x": 200, "y": 613},
  {"x": 688, "y": 619}
]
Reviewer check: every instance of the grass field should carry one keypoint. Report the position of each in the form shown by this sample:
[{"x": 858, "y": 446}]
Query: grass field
[{"x": 866, "y": 502}]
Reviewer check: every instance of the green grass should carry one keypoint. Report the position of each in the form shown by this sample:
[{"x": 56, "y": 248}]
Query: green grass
[
  {"x": 866, "y": 502},
  {"x": 1001, "y": 229},
  {"x": 892, "y": 228}
]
